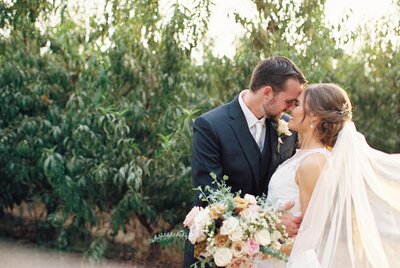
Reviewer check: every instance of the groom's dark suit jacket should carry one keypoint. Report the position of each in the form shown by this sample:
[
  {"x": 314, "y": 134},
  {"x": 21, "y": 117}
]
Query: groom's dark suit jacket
[{"x": 223, "y": 144}]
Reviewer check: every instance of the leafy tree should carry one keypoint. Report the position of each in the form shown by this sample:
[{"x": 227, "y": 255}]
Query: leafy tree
[{"x": 97, "y": 117}]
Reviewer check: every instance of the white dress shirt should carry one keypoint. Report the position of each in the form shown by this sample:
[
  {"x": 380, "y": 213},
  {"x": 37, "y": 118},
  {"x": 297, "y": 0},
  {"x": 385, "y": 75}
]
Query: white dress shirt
[{"x": 251, "y": 119}]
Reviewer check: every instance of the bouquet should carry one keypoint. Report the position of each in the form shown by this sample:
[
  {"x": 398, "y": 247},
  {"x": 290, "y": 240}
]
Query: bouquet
[{"x": 234, "y": 231}]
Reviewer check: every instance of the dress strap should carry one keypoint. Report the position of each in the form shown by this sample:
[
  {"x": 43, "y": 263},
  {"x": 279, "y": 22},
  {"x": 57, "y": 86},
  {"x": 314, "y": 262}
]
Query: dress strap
[{"x": 301, "y": 154}]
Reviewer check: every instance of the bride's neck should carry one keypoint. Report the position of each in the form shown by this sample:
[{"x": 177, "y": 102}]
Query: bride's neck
[{"x": 310, "y": 141}]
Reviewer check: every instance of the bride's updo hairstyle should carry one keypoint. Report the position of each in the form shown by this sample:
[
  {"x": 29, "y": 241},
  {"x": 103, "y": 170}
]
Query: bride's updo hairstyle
[{"x": 332, "y": 105}]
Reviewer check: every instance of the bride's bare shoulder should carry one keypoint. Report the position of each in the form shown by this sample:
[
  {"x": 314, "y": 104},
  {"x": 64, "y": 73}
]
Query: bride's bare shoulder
[
  {"x": 313, "y": 160},
  {"x": 311, "y": 166}
]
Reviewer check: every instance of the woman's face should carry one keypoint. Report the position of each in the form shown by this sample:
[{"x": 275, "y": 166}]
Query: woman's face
[{"x": 300, "y": 121}]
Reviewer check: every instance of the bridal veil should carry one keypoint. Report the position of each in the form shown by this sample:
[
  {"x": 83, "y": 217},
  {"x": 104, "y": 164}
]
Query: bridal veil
[{"x": 353, "y": 218}]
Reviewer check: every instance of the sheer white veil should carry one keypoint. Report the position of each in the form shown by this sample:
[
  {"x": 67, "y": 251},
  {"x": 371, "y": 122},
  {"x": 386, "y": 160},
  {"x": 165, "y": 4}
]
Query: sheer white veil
[{"x": 353, "y": 218}]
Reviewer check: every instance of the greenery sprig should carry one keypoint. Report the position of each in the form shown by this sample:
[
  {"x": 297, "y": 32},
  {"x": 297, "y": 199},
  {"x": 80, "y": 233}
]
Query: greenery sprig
[{"x": 167, "y": 239}]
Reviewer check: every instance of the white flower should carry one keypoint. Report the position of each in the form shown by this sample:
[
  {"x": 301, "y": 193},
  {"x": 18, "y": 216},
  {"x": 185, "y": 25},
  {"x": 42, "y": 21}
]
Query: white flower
[
  {"x": 263, "y": 237},
  {"x": 283, "y": 128},
  {"x": 202, "y": 217},
  {"x": 251, "y": 198},
  {"x": 249, "y": 214},
  {"x": 263, "y": 222},
  {"x": 244, "y": 224},
  {"x": 229, "y": 225},
  {"x": 210, "y": 250},
  {"x": 275, "y": 236},
  {"x": 196, "y": 234},
  {"x": 237, "y": 234},
  {"x": 251, "y": 229},
  {"x": 223, "y": 256}
]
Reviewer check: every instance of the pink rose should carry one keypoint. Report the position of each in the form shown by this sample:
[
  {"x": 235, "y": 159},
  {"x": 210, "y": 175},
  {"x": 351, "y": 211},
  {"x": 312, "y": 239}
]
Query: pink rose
[
  {"x": 191, "y": 215},
  {"x": 196, "y": 234},
  {"x": 252, "y": 246}
]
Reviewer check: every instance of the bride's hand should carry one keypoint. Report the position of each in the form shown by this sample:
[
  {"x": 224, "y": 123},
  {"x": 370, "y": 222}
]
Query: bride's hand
[{"x": 291, "y": 222}]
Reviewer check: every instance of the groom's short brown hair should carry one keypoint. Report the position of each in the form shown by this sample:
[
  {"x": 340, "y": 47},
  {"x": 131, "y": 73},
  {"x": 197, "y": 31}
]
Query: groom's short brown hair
[{"x": 274, "y": 72}]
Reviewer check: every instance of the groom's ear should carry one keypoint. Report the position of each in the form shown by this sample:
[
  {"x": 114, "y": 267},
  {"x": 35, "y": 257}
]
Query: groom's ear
[{"x": 267, "y": 91}]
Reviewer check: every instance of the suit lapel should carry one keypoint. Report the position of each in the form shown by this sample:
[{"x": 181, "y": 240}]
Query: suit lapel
[
  {"x": 245, "y": 139},
  {"x": 274, "y": 143}
]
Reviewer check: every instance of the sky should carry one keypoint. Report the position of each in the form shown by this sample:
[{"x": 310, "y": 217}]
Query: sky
[{"x": 224, "y": 30}]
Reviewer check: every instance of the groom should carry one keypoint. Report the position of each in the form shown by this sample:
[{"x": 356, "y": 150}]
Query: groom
[{"x": 239, "y": 139}]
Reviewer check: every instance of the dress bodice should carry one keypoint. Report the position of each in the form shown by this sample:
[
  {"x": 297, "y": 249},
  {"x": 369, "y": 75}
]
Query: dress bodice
[{"x": 283, "y": 187}]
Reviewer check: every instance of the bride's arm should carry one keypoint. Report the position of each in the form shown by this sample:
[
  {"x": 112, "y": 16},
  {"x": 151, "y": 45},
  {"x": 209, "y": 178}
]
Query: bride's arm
[{"x": 307, "y": 175}]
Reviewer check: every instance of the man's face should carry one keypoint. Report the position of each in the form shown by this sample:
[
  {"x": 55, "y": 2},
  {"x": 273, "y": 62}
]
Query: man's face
[{"x": 284, "y": 100}]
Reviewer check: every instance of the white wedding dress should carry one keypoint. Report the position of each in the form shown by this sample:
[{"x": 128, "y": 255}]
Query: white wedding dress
[
  {"x": 353, "y": 217},
  {"x": 283, "y": 188}
]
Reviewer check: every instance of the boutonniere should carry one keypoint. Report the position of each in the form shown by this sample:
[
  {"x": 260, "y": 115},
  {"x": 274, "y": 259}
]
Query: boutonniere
[{"x": 282, "y": 130}]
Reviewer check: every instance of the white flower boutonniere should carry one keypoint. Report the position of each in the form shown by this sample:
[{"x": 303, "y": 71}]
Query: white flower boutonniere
[{"x": 282, "y": 130}]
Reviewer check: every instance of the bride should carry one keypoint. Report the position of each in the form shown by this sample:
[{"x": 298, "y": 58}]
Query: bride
[{"x": 348, "y": 192}]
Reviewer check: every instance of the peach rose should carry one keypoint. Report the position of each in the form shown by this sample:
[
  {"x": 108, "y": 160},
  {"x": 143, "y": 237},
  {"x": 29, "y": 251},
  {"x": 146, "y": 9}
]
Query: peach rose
[
  {"x": 217, "y": 211},
  {"x": 240, "y": 262},
  {"x": 239, "y": 248},
  {"x": 199, "y": 248},
  {"x": 258, "y": 257},
  {"x": 240, "y": 203},
  {"x": 221, "y": 240}
]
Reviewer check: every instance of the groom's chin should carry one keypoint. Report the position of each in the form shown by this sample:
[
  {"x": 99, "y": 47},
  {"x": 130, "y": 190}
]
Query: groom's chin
[{"x": 274, "y": 117}]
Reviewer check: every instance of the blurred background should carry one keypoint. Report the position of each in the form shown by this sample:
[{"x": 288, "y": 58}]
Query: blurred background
[{"x": 97, "y": 100}]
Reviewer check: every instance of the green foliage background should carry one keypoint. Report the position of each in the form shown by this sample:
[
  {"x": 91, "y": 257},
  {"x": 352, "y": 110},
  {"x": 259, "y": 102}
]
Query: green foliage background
[{"x": 98, "y": 116}]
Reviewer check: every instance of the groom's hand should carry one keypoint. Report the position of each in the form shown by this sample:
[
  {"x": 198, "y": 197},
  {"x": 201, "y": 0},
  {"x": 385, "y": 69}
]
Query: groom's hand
[{"x": 291, "y": 223}]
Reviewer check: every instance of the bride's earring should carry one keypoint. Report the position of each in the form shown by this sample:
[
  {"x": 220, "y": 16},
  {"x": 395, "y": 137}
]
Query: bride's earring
[{"x": 311, "y": 126}]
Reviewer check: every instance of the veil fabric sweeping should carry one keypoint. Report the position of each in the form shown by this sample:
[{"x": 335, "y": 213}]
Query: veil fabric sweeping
[{"x": 353, "y": 218}]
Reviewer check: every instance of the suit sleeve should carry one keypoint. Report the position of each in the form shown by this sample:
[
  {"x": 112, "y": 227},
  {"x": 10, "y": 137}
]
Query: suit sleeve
[{"x": 206, "y": 155}]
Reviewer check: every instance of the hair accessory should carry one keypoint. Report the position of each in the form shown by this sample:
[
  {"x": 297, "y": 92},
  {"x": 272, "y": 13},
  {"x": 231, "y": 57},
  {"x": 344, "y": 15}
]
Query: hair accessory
[{"x": 345, "y": 112}]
